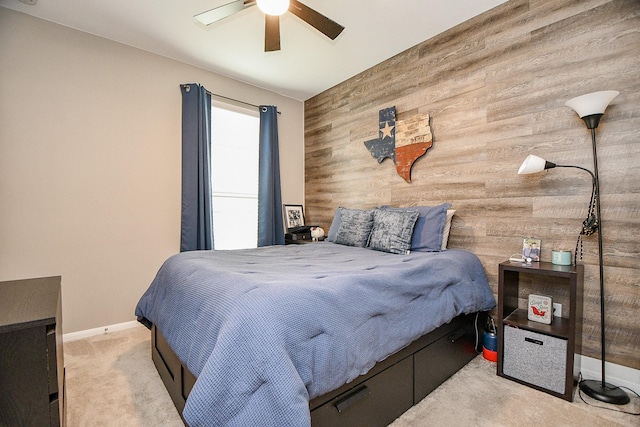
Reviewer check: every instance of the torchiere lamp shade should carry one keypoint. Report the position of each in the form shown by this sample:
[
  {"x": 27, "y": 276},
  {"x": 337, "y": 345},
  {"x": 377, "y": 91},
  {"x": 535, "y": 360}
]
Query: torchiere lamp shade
[{"x": 592, "y": 103}]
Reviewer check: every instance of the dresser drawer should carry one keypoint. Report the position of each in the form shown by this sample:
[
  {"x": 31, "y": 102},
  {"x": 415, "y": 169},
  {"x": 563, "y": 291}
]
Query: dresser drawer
[
  {"x": 52, "y": 360},
  {"x": 24, "y": 390},
  {"x": 375, "y": 402}
]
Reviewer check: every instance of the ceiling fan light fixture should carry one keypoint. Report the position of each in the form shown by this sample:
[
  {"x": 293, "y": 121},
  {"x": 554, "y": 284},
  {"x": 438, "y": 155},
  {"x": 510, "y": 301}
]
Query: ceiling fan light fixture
[{"x": 273, "y": 7}]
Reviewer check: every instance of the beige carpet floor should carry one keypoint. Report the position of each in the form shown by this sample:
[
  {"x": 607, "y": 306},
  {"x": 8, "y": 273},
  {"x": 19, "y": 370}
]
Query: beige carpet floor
[{"x": 111, "y": 381}]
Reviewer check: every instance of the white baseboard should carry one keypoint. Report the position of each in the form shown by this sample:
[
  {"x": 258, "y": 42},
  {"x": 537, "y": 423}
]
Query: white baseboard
[
  {"x": 616, "y": 375},
  {"x": 99, "y": 331}
]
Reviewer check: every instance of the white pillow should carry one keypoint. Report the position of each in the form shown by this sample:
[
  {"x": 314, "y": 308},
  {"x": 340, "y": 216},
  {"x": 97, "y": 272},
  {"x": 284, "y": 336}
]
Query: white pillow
[{"x": 447, "y": 228}]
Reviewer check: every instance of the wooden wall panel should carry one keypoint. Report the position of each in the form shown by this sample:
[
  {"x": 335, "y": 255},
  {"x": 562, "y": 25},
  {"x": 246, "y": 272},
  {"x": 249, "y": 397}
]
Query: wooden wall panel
[{"x": 495, "y": 88}]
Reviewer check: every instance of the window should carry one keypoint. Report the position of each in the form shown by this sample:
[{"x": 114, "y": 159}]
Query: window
[{"x": 234, "y": 175}]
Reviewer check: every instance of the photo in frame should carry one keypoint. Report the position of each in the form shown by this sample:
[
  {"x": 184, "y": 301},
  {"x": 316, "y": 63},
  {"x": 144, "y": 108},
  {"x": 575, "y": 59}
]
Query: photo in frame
[
  {"x": 531, "y": 248},
  {"x": 293, "y": 216}
]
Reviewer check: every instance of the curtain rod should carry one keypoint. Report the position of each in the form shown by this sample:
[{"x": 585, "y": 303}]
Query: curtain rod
[
  {"x": 187, "y": 87},
  {"x": 235, "y": 100}
]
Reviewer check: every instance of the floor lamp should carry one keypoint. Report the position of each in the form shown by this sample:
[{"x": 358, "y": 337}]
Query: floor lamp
[{"x": 590, "y": 108}]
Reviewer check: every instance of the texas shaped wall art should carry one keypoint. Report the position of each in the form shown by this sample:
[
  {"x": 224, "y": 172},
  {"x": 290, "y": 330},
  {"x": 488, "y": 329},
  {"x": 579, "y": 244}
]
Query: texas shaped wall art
[{"x": 403, "y": 141}]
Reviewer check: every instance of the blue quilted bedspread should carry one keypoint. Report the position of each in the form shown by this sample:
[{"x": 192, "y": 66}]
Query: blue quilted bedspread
[{"x": 267, "y": 329}]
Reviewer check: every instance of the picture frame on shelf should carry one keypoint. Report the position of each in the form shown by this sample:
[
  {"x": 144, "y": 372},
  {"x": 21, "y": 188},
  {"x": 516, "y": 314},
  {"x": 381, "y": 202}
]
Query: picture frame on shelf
[
  {"x": 531, "y": 248},
  {"x": 293, "y": 216}
]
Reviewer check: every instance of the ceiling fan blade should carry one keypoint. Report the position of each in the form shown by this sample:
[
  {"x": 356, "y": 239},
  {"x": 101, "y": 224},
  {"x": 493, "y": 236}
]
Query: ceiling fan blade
[
  {"x": 271, "y": 33},
  {"x": 318, "y": 21},
  {"x": 221, "y": 12}
]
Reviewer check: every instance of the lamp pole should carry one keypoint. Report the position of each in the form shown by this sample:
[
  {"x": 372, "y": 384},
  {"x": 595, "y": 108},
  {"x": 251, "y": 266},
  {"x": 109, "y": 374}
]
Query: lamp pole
[
  {"x": 600, "y": 256},
  {"x": 600, "y": 390}
]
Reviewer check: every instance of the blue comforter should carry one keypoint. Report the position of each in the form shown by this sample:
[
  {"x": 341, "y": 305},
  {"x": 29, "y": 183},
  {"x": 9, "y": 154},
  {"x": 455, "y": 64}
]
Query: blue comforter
[{"x": 267, "y": 329}]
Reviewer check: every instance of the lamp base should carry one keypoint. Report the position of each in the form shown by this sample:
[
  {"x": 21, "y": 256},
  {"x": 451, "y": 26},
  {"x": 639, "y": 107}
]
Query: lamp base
[{"x": 608, "y": 394}]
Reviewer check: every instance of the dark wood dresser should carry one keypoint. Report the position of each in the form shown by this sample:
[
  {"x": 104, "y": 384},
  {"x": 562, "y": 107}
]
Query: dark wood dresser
[{"x": 31, "y": 357}]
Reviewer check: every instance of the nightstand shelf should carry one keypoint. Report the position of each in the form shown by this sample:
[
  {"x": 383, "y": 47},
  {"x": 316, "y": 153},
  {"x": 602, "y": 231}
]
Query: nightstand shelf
[
  {"x": 539, "y": 355},
  {"x": 559, "y": 328}
]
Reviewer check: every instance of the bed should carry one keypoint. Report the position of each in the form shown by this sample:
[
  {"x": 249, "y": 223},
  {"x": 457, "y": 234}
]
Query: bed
[{"x": 314, "y": 334}]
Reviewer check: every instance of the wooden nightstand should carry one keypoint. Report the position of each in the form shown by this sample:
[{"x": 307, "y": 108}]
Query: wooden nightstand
[{"x": 536, "y": 354}]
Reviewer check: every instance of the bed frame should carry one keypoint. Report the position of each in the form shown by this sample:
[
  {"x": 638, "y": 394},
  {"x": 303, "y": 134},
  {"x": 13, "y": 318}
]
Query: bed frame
[{"x": 377, "y": 398}]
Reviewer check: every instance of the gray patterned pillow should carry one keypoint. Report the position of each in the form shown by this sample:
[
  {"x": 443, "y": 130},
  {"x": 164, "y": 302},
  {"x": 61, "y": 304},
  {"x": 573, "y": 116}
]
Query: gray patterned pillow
[
  {"x": 392, "y": 230},
  {"x": 355, "y": 227},
  {"x": 429, "y": 229}
]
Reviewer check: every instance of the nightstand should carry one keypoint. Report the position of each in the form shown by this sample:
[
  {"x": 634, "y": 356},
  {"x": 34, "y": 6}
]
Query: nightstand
[{"x": 536, "y": 354}]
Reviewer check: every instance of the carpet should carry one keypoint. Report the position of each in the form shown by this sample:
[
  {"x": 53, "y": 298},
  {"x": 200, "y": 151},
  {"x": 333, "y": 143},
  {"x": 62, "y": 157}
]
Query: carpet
[{"x": 111, "y": 381}]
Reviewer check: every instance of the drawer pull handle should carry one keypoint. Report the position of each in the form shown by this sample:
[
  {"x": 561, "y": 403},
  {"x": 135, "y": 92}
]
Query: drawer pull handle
[
  {"x": 456, "y": 335},
  {"x": 344, "y": 403},
  {"x": 533, "y": 341}
]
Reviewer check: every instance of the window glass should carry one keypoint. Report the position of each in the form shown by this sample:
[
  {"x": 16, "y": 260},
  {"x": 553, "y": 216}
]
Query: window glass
[{"x": 234, "y": 175}]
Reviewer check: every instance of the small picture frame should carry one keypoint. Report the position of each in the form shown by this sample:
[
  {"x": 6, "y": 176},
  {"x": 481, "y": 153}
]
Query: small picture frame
[
  {"x": 293, "y": 216},
  {"x": 531, "y": 248}
]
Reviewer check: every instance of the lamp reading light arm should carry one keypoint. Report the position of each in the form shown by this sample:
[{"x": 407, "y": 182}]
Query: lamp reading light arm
[
  {"x": 591, "y": 224},
  {"x": 535, "y": 164},
  {"x": 593, "y": 177}
]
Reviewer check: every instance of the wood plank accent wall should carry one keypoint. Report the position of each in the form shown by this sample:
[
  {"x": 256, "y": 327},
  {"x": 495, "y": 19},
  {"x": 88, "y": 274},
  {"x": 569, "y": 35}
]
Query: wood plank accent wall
[{"x": 495, "y": 89}]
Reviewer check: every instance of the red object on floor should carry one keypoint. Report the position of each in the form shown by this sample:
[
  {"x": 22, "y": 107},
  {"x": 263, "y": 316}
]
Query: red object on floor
[{"x": 491, "y": 356}]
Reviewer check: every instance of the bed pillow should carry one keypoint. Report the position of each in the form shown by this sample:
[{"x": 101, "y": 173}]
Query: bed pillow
[
  {"x": 392, "y": 230},
  {"x": 335, "y": 224},
  {"x": 428, "y": 231},
  {"x": 355, "y": 227},
  {"x": 447, "y": 229}
]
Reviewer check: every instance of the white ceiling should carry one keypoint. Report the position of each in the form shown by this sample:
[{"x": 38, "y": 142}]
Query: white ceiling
[{"x": 308, "y": 63}]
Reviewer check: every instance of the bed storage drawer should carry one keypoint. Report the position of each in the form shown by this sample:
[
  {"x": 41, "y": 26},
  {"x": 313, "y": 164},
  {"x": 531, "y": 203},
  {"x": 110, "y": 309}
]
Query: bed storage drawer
[
  {"x": 170, "y": 369},
  {"x": 435, "y": 363},
  {"x": 375, "y": 402}
]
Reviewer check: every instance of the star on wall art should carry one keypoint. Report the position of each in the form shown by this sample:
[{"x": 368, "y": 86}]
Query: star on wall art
[{"x": 403, "y": 141}]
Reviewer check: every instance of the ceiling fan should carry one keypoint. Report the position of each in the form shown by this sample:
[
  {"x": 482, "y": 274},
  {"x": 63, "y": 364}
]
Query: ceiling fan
[{"x": 318, "y": 21}]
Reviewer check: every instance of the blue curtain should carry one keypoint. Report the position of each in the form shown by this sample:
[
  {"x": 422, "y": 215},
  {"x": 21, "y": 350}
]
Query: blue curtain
[
  {"x": 270, "y": 226},
  {"x": 197, "y": 221}
]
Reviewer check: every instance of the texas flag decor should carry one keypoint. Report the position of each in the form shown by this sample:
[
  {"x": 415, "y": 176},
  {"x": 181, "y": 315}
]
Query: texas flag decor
[{"x": 403, "y": 141}]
